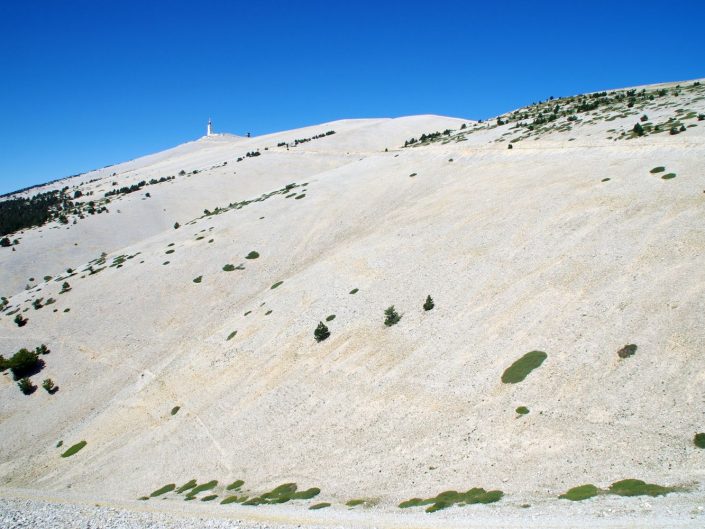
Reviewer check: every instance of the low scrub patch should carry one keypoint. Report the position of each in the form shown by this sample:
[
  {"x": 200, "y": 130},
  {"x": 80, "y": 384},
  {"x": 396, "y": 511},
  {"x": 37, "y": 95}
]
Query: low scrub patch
[
  {"x": 252, "y": 255},
  {"x": 636, "y": 487},
  {"x": 174, "y": 411},
  {"x": 627, "y": 351},
  {"x": 317, "y": 506},
  {"x": 163, "y": 490},
  {"x": 235, "y": 485},
  {"x": 203, "y": 487},
  {"x": 583, "y": 492},
  {"x": 282, "y": 494},
  {"x": 198, "y": 279},
  {"x": 448, "y": 498},
  {"x": 231, "y": 336},
  {"x": 699, "y": 440},
  {"x": 74, "y": 449},
  {"x": 668, "y": 176},
  {"x": 522, "y": 410},
  {"x": 659, "y": 169},
  {"x": 186, "y": 486},
  {"x": 520, "y": 369},
  {"x": 275, "y": 285}
]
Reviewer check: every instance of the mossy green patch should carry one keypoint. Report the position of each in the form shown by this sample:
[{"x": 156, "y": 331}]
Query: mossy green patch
[
  {"x": 317, "y": 506},
  {"x": 282, "y": 494},
  {"x": 451, "y": 497},
  {"x": 235, "y": 485},
  {"x": 275, "y": 285},
  {"x": 520, "y": 369},
  {"x": 699, "y": 440},
  {"x": 522, "y": 410},
  {"x": 186, "y": 486},
  {"x": 354, "y": 291},
  {"x": 163, "y": 490},
  {"x": 203, "y": 487},
  {"x": 228, "y": 268},
  {"x": 233, "y": 499},
  {"x": 210, "y": 497},
  {"x": 231, "y": 336},
  {"x": 668, "y": 176},
  {"x": 330, "y": 318},
  {"x": 252, "y": 255},
  {"x": 198, "y": 279},
  {"x": 74, "y": 449},
  {"x": 659, "y": 169},
  {"x": 175, "y": 410},
  {"x": 583, "y": 492},
  {"x": 636, "y": 487}
]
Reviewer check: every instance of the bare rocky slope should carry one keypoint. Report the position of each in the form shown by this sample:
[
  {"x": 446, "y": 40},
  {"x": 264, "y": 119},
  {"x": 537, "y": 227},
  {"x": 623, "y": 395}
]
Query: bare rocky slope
[{"x": 586, "y": 235}]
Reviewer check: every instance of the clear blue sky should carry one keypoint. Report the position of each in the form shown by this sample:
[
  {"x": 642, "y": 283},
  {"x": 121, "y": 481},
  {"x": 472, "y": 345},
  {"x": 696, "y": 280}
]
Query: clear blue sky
[{"x": 90, "y": 83}]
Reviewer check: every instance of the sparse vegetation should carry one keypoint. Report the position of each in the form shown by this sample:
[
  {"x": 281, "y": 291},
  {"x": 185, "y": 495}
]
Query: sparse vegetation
[
  {"x": 627, "y": 351},
  {"x": 228, "y": 268},
  {"x": 391, "y": 316},
  {"x": 321, "y": 332},
  {"x": 231, "y": 336},
  {"x": 26, "y": 386},
  {"x": 23, "y": 363},
  {"x": 317, "y": 506},
  {"x": 74, "y": 449},
  {"x": 522, "y": 410},
  {"x": 175, "y": 410},
  {"x": 198, "y": 279},
  {"x": 275, "y": 285},
  {"x": 235, "y": 485},
  {"x": 451, "y": 497},
  {"x": 186, "y": 486},
  {"x": 163, "y": 490},
  {"x": 583, "y": 492},
  {"x": 20, "y": 320},
  {"x": 49, "y": 386},
  {"x": 636, "y": 487},
  {"x": 668, "y": 176},
  {"x": 354, "y": 291},
  {"x": 282, "y": 494},
  {"x": 699, "y": 440},
  {"x": 201, "y": 488},
  {"x": 331, "y": 317},
  {"x": 428, "y": 304},
  {"x": 252, "y": 255},
  {"x": 520, "y": 369}
]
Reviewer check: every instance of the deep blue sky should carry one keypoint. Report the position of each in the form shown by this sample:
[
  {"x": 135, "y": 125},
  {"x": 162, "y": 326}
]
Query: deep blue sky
[{"x": 85, "y": 84}]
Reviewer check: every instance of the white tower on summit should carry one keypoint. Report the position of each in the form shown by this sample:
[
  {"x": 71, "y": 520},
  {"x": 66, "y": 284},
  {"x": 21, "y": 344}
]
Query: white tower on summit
[{"x": 209, "y": 129}]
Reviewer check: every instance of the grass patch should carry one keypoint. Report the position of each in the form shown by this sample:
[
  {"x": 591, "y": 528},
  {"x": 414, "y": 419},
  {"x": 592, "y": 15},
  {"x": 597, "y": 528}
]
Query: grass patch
[
  {"x": 450, "y": 497},
  {"x": 668, "y": 176},
  {"x": 330, "y": 318},
  {"x": 198, "y": 279},
  {"x": 282, "y": 494},
  {"x": 275, "y": 285},
  {"x": 186, "y": 486},
  {"x": 583, "y": 492},
  {"x": 699, "y": 440},
  {"x": 228, "y": 268},
  {"x": 231, "y": 336},
  {"x": 360, "y": 501},
  {"x": 169, "y": 251},
  {"x": 200, "y": 488},
  {"x": 522, "y": 410},
  {"x": 235, "y": 485},
  {"x": 234, "y": 499},
  {"x": 656, "y": 170},
  {"x": 74, "y": 449},
  {"x": 354, "y": 291},
  {"x": 299, "y": 197},
  {"x": 163, "y": 490},
  {"x": 210, "y": 497},
  {"x": 317, "y": 506},
  {"x": 605, "y": 180},
  {"x": 175, "y": 410},
  {"x": 520, "y": 369},
  {"x": 252, "y": 255},
  {"x": 636, "y": 487}
]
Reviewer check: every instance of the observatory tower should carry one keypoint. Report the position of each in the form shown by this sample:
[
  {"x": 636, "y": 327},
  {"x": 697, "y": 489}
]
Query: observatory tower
[{"x": 209, "y": 128}]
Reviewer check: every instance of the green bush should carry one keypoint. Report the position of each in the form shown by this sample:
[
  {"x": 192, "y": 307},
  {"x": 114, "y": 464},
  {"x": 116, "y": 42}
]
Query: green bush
[
  {"x": 428, "y": 304},
  {"x": 520, "y": 369},
  {"x": 203, "y": 487},
  {"x": 23, "y": 363},
  {"x": 321, "y": 332},
  {"x": 26, "y": 386},
  {"x": 522, "y": 410},
  {"x": 74, "y": 449},
  {"x": 330, "y": 317},
  {"x": 391, "y": 316},
  {"x": 20, "y": 320},
  {"x": 228, "y": 268},
  {"x": 659, "y": 169},
  {"x": 252, "y": 255},
  {"x": 49, "y": 386},
  {"x": 668, "y": 176},
  {"x": 186, "y": 486},
  {"x": 235, "y": 485},
  {"x": 627, "y": 351},
  {"x": 699, "y": 440},
  {"x": 275, "y": 285},
  {"x": 163, "y": 490},
  {"x": 636, "y": 487},
  {"x": 42, "y": 350},
  {"x": 317, "y": 506},
  {"x": 354, "y": 291},
  {"x": 210, "y": 497},
  {"x": 231, "y": 336},
  {"x": 451, "y": 497},
  {"x": 583, "y": 492},
  {"x": 198, "y": 279},
  {"x": 174, "y": 411}
]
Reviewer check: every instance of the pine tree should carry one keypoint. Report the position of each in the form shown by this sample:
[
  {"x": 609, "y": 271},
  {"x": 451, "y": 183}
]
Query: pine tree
[
  {"x": 391, "y": 316},
  {"x": 48, "y": 385},
  {"x": 321, "y": 332},
  {"x": 428, "y": 305},
  {"x": 26, "y": 386}
]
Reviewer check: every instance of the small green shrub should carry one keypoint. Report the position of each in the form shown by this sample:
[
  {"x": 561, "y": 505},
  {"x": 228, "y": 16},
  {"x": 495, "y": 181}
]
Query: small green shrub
[
  {"x": 636, "y": 487},
  {"x": 42, "y": 350},
  {"x": 228, "y": 268},
  {"x": 23, "y": 364},
  {"x": 605, "y": 180},
  {"x": 49, "y": 386},
  {"x": 20, "y": 321},
  {"x": 163, "y": 490},
  {"x": 428, "y": 304},
  {"x": 520, "y": 369},
  {"x": 210, "y": 497},
  {"x": 330, "y": 318},
  {"x": 668, "y": 176},
  {"x": 627, "y": 351},
  {"x": 522, "y": 410},
  {"x": 354, "y": 291},
  {"x": 198, "y": 279},
  {"x": 583, "y": 492},
  {"x": 317, "y": 506},
  {"x": 252, "y": 255},
  {"x": 26, "y": 386},
  {"x": 169, "y": 251},
  {"x": 321, "y": 332},
  {"x": 235, "y": 485},
  {"x": 74, "y": 449},
  {"x": 231, "y": 336},
  {"x": 174, "y": 411},
  {"x": 275, "y": 285},
  {"x": 234, "y": 499},
  {"x": 354, "y": 503},
  {"x": 391, "y": 316},
  {"x": 448, "y": 498},
  {"x": 200, "y": 488},
  {"x": 186, "y": 486},
  {"x": 659, "y": 169},
  {"x": 699, "y": 440}
]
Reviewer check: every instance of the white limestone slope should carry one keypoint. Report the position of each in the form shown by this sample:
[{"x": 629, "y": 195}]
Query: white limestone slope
[{"x": 523, "y": 249}]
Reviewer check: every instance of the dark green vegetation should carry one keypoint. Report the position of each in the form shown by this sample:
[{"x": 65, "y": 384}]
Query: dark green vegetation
[
  {"x": 252, "y": 255},
  {"x": 391, "y": 316},
  {"x": 625, "y": 487},
  {"x": 210, "y": 497},
  {"x": 330, "y": 317},
  {"x": 451, "y": 497},
  {"x": 231, "y": 336},
  {"x": 20, "y": 320},
  {"x": 26, "y": 386},
  {"x": 75, "y": 448},
  {"x": 361, "y": 501},
  {"x": 175, "y": 410},
  {"x": 668, "y": 176},
  {"x": 49, "y": 386},
  {"x": 354, "y": 291},
  {"x": 198, "y": 279},
  {"x": 23, "y": 363},
  {"x": 163, "y": 490},
  {"x": 233, "y": 499},
  {"x": 275, "y": 285},
  {"x": 235, "y": 485},
  {"x": 228, "y": 268},
  {"x": 186, "y": 486},
  {"x": 583, "y": 492},
  {"x": 282, "y": 494},
  {"x": 321, "y": 332},
  {"x": 317, "y": 506},
  {"x": 659, "y": 169},
  {"x": 200, "y": 488},
  {"x": 522, "y": 410},
  {"x": 627, "y": 351},
  {"x": 428, "y": 304},
  {"x": 699, "y": 440},
  {"x": 520, "y": 369}
]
